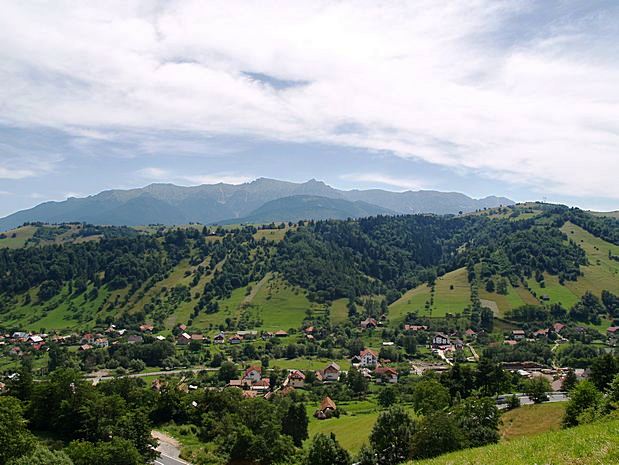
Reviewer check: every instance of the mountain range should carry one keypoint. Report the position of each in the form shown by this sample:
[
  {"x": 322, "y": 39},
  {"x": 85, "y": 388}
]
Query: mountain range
[{"x": 259, "y": 201}]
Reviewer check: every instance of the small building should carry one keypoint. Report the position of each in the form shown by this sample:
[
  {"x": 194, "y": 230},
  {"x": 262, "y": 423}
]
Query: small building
[
  {"x": 518, "y": 334},
  {"x": 252, "y": 374},
  {"x": 248, "y": 334},
  {"x": 470, "y": 334},
  {"x": 281, "y": 333},
  {"x": 326, "y": 409},
  {"x": 415, "y": 328},
  {"x": 146, "y": 328},
  {"x": 368, "y": 358},
  {"x": 85, "y": 347},
  {"x": 369, "y": 323},
  {"x": 88, "y": 338},
  {"x": 440, "y": 340},
  {"x": 332, "y": 372},
  {"x": 220, "y": 338},
  {"x": 262, "y": 385},
  {"x": 267, "y": 335},
  {"x": 197, "y": 338},
  {"x": 34, "y": 339},
  {"x": 386, "y": 374},
  {"x": 135, "y": 339},
  {"x": 558, "y": 327},
  {"x": 183, "y": 339},
  {"x": 613, "y": 335},
  {"x": 101, "y": 342},
  {"x": 540, "y": 333},
  {"x": 296, "y": 379},
  {"x": 236, "y": 339}
]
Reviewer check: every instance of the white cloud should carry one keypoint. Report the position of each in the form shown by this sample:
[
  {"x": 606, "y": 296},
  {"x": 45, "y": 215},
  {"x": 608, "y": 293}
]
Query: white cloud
[
  {"x": 160, "y": 174},
  {"x": 11, "y": 173},
  {"x": 383, "y": 179},
  {"x": 468, "y": 85}
]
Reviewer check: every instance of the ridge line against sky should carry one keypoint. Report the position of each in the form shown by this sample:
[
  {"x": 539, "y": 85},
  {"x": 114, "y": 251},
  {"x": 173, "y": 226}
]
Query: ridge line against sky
[{"x": 506, "y": 98}]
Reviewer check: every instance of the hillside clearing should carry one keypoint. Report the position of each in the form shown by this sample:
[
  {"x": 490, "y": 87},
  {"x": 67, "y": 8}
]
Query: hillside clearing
[
  {"x": 530, "y": 420},
  {"x": 594, "y": 444}
]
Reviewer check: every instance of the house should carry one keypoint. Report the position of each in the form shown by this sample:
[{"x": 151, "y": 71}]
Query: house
[
  {"x": 88, "y": 338},
  {"x": 236, "y": 339},
  {"x": 135, "y": 339},
  {"x": 252, "y": 374},
  {"x": 219, "y": 339},
  {"x": 332, "y": 372},
  {"x": 326, "y": 409},
  {"x": 386, "y": 374},
  {"x": 296, "y": 379},
  {"x": 85, "y": 347},
  {"x": 470, "y": 334},
  {"x": 197, "y": 338},
  {"x": 281, "y": 333},
  {"x": 309, "y": 330},
  {"x": 613, "y": 335},
  {"x": 541, "y": 333},
  {"x": 262, "y": 385},
  {"x": 160, "y": 338},
  {"x": 267, "y": 335},
  {"x": 2, "y": 387},
  {"x": 248, "y": 334},
  {"x": 183, "y": 328},
  {"x": 16, "y": 351},
  {"x": 249, "y": 394},
  {"x": 35, "y": 339},
  {"x": 369, "y": 323},
  {"x": 558, "y": 327},
  {"x": 19, "y": 335},
  {"x": 239, "y": 383},
  {"x": 415, "y": 328},
  {"x": 38, "y": 345},
  {"x": 518, "y": 334},
  {"x": 510, "y": 342},
  {"x": 183, "y": 339},
  {"x": 368, "y": 358},
  {"x": 101, "y": 342},
  {"x": 146, "y": 328},
  {"x": 440, "y": 340}
]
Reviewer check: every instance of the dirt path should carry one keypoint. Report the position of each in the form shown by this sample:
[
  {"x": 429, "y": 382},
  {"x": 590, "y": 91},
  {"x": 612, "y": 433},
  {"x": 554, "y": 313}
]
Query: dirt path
[{"x": 254, "y": 291}]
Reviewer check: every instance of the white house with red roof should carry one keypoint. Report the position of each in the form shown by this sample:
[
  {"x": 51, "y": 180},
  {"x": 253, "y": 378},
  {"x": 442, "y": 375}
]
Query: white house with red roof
[
  {"x": 252, "y": 374},
  {"x": 296, "y": 379},
  {"x": 368, "y": 358}
]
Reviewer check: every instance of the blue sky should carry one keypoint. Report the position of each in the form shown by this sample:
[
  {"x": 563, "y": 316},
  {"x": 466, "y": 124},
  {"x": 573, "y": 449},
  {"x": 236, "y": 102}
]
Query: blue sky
[{"x": 482, "y": 97}]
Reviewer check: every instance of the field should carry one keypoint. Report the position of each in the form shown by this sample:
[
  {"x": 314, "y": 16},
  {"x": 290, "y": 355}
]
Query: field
[
  {"x": 585, "y": 445},
  {"x": 515, "y": 297},
  {"x": 339, "y": 311},
  {"x": 555, "y": 292},
  {"x": 413, "y": 300},
  {"x": 451, "y": 295},
  {"x": 602, "y": 272},
  {"x": 21, "y": 236},
  {"x": 529, "y": 420}
]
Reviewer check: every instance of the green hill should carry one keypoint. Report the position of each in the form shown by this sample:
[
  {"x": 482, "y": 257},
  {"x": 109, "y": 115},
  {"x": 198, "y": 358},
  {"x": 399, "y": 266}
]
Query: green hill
[{"x": 594, "y": 444}]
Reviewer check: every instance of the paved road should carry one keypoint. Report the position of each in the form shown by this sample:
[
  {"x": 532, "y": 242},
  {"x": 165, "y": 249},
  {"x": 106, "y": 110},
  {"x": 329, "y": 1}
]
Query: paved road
[
  {"x": 167, "y": 460},
  {"x": 96, "y": 379},
  {"x": 525, "y": 400}
]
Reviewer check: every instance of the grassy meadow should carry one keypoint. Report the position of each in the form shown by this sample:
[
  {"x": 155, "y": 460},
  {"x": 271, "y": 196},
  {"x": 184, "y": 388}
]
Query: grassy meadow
[{"x": 593, "y": 444}]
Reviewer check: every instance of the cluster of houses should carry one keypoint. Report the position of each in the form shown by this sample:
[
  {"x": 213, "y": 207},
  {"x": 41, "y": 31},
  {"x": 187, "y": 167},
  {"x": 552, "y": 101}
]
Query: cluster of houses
[{"x": 557, "y": 329}]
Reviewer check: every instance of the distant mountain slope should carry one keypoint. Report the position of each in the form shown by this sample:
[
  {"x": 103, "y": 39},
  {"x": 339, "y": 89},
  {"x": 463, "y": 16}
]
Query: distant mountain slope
[
  {"x": 212, "y": 203},
  {"x": 310, "y": 207}
]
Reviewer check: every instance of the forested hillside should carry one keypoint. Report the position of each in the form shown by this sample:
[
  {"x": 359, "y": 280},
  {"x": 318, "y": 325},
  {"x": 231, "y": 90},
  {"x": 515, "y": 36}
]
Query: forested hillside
[{"x": 79, "y": 275}]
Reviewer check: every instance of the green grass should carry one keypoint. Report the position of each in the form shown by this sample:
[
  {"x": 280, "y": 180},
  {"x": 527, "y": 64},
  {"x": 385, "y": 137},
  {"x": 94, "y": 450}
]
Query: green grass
[
  {"x": 280, "y": 305},
  {"x": 515, "y": 297},
  {"x": 584, "y": 445},
  {"x": 21, "y": 236},
  {"x": 602, "y": 273},
  {"x": 412, "y": 301},
  {"x": 447, "y": 300},
  {"x": 530, "y": 420},
  {"x": 306, "y": 364},
  {"x": 274, "y": 235},
  {"x": 339, "y": 311},
  {"x": 555, "y": 291}
]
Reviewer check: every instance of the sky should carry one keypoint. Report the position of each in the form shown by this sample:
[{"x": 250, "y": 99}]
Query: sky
[{"x": 485, "y": 97}]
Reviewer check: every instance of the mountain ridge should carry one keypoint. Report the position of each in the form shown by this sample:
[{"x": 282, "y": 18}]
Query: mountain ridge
[{"x": 167, "y": 203}]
